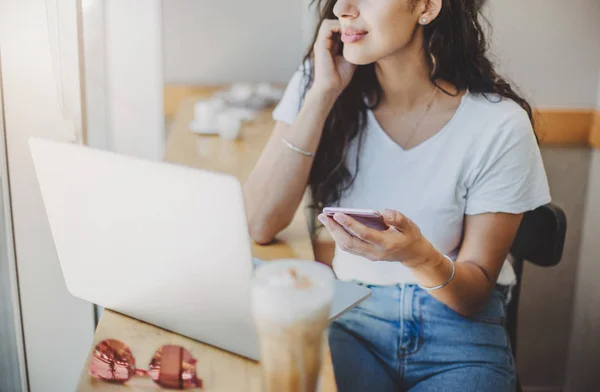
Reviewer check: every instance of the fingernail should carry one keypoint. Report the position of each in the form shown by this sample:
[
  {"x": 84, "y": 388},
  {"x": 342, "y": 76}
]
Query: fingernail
[
  {"x": 340, "y": 218},
  {"x": 321, "y": 218}
]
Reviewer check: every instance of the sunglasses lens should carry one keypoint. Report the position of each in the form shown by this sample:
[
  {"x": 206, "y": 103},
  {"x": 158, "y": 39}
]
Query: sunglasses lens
[
  {"x": 112, "y": 361},
  {"x": 174, "y": 367}
]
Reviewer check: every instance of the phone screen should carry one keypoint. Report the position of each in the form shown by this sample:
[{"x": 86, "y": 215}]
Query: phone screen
[{"x": 369, "y": 218}]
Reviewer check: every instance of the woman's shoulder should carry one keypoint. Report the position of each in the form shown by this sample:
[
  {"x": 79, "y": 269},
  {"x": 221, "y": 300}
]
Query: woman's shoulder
[
  {"x": 497, "y": 115},
  {"x": 495, "y": 105}
]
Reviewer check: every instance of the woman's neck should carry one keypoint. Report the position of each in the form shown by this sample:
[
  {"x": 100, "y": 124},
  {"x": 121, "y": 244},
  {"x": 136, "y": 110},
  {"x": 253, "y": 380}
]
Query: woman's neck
[{"x": 405, "y": 79}]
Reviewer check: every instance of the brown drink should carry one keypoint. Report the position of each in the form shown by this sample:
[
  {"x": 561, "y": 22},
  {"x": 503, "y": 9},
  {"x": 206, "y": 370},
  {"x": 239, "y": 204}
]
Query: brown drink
[{"x": 291, "y": 301}]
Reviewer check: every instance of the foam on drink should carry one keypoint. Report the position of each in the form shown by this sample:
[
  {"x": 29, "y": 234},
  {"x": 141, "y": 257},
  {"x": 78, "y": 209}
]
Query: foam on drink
[{"x": 289, "y": 295}]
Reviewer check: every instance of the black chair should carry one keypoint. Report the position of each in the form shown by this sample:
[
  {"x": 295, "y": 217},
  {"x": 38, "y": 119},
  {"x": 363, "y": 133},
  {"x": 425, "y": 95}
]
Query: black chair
[{"x": 540, "y": 240}]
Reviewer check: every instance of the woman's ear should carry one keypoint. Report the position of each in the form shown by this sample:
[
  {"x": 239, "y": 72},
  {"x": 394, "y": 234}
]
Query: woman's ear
[{"x": 430, "y": 12}]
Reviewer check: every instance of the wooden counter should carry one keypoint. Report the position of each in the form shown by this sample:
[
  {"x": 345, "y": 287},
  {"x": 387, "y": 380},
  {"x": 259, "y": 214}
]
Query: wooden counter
[{"x": 219, "y": 370}]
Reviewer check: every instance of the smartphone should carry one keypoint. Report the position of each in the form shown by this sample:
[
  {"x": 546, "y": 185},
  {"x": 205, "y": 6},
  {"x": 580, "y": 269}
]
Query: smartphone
[{"x": 369, "y": 218}]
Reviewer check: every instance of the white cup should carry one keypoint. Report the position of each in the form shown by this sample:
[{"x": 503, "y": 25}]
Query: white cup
[
  {"x": 229, "y": 125},
  {"x": 202, "y": 110},
  {"x": 217, "y": 104},
  {"x": 241, "y": 92}
]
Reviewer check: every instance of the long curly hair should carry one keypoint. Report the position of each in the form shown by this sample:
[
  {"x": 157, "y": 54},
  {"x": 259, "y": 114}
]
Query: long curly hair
[{"x": 455, "y": 48}]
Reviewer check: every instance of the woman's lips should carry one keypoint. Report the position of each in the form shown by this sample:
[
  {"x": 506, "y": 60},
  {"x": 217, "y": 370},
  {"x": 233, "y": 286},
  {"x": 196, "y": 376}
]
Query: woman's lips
[{"x": 350, "y": 36}]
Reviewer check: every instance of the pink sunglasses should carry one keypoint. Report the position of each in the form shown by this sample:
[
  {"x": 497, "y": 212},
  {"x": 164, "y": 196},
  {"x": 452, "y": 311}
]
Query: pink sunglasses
[{"x": 171, "y": 367}]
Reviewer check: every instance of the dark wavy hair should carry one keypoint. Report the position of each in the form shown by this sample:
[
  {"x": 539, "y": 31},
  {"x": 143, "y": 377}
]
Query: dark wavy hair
[{"x": 455, "y": 48}]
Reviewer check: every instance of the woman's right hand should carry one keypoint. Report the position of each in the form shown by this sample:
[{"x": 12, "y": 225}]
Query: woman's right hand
[{"x": 332, "y": 72}]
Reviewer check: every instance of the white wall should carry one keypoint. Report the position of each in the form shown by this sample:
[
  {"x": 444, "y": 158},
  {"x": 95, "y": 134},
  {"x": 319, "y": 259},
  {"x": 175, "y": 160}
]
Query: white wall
[
  {"x": 94, "y": 64},
  {"x": 134, "y": 77},
  {"x": 585, "y": 335},
  {"x": 57, "y": 327},
  {"x": 584, "y": 353},
  {"x": 309, "y": 24},
  {"x": 598, "y": 99},
  {"x": 13, "y": 371},
  {"x": 550, "y": 48},
  {"x": 123, "y": 70},
  {"x": 213, "y": 42}
]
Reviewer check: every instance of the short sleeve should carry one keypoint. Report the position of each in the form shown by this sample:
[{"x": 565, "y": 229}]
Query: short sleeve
[
  {"x": 289, "y": 105},
  {"x": 509, "y": 176}
]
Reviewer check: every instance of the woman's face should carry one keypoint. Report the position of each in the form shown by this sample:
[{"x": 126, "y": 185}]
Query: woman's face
[{"x": 375, "y": 29}]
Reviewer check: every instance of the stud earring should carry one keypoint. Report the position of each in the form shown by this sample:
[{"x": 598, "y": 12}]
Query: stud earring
[{"x": 424, "y": 20}]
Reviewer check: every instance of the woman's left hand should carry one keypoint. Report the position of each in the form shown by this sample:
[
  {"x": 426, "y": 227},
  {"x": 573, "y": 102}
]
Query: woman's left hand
[{"x": 401, "y": 242}]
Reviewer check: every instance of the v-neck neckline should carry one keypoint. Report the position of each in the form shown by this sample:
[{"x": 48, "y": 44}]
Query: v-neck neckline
[{"x": 427, "y": 141}]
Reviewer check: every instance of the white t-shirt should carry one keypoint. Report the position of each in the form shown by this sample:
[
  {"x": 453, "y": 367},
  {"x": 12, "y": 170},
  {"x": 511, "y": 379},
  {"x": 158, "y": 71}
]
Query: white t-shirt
[{"x": 486, "y": 159}]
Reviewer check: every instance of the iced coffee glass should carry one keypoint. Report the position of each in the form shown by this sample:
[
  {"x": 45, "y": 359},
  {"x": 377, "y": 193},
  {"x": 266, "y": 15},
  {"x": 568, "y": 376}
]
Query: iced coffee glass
[{"x": 291, "y": 301}]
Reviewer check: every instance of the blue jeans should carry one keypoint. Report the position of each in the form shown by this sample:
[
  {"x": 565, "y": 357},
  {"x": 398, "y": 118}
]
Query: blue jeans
[{"x": 403, "y": 339}]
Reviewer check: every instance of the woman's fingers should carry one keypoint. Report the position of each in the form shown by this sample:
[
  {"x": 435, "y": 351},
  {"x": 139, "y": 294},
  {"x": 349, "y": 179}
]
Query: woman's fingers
[
  {"x": 343, "y": 239},
  {"x": 326, "y": 37},
  {"x": 332, "y": 72},
  {"x": 359, "y": 230},
  {"x": 397, "y": 220}
]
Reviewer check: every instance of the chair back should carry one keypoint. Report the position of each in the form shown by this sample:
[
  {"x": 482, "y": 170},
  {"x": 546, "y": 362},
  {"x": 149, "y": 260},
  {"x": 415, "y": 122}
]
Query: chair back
[{"x": 539, "y": 240}]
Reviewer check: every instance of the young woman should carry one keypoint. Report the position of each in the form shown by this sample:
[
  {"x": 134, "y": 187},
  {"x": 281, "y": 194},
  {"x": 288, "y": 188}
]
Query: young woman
[{"x": 408, "y": 117}]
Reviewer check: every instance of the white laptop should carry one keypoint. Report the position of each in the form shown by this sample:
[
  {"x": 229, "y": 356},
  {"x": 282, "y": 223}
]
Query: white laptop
[{"x": 162, "y": 243}]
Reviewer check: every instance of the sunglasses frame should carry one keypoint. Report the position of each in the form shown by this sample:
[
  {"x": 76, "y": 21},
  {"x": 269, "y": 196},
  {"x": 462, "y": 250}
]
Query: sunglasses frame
[{"x": 171, "y": 367}]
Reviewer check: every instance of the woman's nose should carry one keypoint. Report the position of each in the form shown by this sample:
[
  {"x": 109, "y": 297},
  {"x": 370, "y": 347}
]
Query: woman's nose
[{"x": 345, "y": 9}]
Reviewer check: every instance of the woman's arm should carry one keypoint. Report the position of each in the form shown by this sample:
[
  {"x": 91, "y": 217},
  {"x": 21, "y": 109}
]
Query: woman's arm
[
  {"x": 486, "y": 243},
  {"x": 276, "y": 185}
]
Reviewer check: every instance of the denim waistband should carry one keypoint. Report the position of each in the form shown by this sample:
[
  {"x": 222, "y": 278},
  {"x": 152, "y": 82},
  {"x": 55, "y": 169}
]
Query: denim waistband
[{"x": 505, "y": 290}]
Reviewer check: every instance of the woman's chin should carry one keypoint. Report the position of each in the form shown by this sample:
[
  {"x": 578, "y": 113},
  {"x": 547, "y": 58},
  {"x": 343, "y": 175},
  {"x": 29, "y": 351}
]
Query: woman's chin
[{"x": 356, "y": 56}]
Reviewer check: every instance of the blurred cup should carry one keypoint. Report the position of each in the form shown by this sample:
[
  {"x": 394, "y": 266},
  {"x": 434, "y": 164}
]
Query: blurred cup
[
  {"x": 269, "y": 92},
  {"x": 229, "y": 125},
  {"x": 217, "y": 104},
  {"x": 264, "y": 89},
  {"x": 291, "y": 300},
  {"x": 202, "y": 110},
  {"x": 241, "y": 92}
]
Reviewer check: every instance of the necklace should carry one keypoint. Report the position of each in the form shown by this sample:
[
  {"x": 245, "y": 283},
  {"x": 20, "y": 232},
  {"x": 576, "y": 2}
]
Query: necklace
[{"x": 435, "y": 89}]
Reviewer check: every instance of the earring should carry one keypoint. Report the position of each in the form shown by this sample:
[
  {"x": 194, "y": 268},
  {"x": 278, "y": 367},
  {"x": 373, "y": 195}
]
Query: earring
[{"x": 424, "y": 20}]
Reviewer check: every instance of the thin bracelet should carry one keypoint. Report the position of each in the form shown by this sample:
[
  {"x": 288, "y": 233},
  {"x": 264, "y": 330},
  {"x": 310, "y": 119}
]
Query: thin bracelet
[
  {"x": 446, "y": 282},
  {"x": 298, "y": 150}
]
